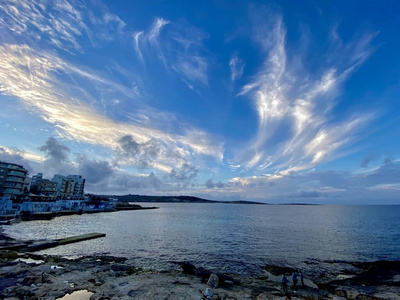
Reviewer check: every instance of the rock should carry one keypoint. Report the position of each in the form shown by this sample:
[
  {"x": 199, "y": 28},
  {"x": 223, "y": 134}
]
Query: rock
[
  {"x": 123, "y": 283},
  {"x": 203, "y": 273},
  {"x": 387, "y": 295},
  {"x": 341, "y": 293},
  {"x": 208, "y": 293},
  {"x": 347, "y": 293},
  {"x": 223, "y": 277},
  {"x": 213, "y": 280},
  {"x": 228, "y": 283},
  {"x": 188, "y": 268},
  {"x": 119, "y": 267},
  {"x": 278, "y": 270}
]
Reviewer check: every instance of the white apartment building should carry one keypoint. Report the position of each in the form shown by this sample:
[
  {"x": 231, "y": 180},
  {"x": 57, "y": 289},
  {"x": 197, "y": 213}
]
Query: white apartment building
[{"x": 69, "y": 187}]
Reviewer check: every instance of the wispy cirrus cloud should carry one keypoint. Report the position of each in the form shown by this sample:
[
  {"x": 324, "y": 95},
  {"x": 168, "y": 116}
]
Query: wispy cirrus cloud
[
  {"x": 181, "y": 50},
  {"x": 37, "y": 80},
  {"x": 149, "y": 38},
  {"x": 136, "y": 38},
  {"x": 193, "y": 68},
  {"x": 237, "y": 67},
  {"x": 155, "y": 30},
  {"x": 63, "y": 24},
  {"x": 296, "y": 125},
  {"x": 189, "y": 56}
]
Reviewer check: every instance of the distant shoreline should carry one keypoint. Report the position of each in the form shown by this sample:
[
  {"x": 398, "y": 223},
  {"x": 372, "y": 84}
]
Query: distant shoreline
[{"x": 188, "y": 199}]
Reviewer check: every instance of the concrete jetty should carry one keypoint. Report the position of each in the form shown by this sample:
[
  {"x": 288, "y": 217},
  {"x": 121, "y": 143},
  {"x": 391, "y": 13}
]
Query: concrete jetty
[
  {"x": 32, "y": 246},
  {"x": 79, "y": 238}
]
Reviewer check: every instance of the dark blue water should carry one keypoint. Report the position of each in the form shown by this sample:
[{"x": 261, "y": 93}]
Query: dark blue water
[{"x": 230, "y": 238}]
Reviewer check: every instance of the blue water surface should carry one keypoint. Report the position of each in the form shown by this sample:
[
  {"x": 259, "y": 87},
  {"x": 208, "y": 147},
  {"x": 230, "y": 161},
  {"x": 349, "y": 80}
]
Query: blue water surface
[{"x": 229, "y": 238}]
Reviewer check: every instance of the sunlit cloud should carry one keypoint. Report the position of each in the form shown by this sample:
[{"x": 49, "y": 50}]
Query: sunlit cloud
[
  {"x": 32, "y": 78},
  {"x": 7, "y": 153},
  {"x": 295, "y": 126}
]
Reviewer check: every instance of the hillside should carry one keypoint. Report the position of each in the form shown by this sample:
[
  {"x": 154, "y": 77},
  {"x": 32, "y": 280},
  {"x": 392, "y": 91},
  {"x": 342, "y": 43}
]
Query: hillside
[{"x": 175, "y": 199}]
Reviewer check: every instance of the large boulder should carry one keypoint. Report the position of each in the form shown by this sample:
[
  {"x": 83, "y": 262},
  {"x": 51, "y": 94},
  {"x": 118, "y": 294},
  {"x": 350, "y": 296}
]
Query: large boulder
[{"x": 213, "y": 281}]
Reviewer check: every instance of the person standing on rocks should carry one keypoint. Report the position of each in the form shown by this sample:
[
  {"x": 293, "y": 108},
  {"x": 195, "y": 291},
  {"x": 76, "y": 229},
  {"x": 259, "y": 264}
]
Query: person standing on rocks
[
  {"x": 285, "y": 283},
  {"x": 301, "y": 278},
  {"x": 294, "y": 277}
]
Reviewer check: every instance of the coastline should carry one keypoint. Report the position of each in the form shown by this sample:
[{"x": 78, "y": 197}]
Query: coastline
[{"x": 31, "y": 276}]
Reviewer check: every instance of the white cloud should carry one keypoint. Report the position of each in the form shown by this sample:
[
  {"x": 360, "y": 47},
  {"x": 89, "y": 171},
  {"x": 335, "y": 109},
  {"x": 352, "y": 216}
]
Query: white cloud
[
  {"x": 155, "y": 30},
  {"x": 182, "y": 49},
  {"x": 136, "y": 37},
  {"x": 150, "y": 38},
  {"x": 237, "y": 66},
  {"x": 381, "y": 184},
  {"x": 192, "y": 67},
  {"x": 296, "y": 125},
  {"x": 33, "y": 77}
]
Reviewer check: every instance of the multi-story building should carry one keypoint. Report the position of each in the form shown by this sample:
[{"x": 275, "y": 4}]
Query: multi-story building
[
  {"x": 36, "y": 183},
  {"x": 12, "y": 177},
  {"x": 65, "y": 186},
  {"x": 27, "y": 184},
  {"x": 48, "y": 188},
  {"x": 79, "y": 185}
]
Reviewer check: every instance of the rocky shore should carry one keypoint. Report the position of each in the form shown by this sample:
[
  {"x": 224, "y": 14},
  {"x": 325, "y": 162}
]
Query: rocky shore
[{"x": 31, "y": 276}]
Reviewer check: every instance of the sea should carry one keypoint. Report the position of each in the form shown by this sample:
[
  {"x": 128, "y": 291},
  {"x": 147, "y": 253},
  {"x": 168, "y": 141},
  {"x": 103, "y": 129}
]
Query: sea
[{"x": 229, "y": 238}]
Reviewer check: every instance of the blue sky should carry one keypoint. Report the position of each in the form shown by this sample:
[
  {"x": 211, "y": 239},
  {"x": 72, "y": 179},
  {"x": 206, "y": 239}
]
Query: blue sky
[{"x": 272, "y": 101}]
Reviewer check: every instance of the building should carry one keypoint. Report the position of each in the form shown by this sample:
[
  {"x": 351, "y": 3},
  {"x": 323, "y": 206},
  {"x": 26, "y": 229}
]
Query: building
[
  {"x": 65, "y": 186},
  {"x": 48, "y": 188},
  {"x": 27, "y": 184},
  {"x": 36, "y": 183},
  {"x": 12, "y": 178},
  {"x": 79, "y": 185}
]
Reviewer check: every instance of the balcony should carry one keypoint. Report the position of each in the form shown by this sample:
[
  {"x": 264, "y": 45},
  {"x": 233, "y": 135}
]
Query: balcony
[
  {"x": 17, "y": 173},
  {"x": 14, "y": 179},
  {"x": 13, "y": 185}
]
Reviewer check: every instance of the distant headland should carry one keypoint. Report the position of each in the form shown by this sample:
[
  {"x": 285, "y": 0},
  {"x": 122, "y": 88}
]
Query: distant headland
[{"x": 176, "y": 199}]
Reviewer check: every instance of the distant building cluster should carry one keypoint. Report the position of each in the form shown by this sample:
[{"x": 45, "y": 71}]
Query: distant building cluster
[
  {"x": 15, "y": 183},
  {"x": 36, "y": 198}
]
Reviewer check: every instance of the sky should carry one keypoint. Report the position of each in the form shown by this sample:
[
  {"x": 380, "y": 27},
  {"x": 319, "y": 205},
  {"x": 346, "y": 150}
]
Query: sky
[{"x": 271, "y": 101}]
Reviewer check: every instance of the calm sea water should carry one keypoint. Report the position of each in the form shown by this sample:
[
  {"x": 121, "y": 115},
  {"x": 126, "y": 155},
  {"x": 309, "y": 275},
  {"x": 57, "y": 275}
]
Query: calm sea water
[{"x": 229, "y": 238}]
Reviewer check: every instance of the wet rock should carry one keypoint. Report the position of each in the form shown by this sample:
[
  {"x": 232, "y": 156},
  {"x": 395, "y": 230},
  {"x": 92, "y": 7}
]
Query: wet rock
[
  {"x": 117, "y": 267},
  {"x": 213, "y": 281},
  {"x": 228, "y": 283},
  {"x": 278, "y": 270},
  {"x": 188, "y": 268}
]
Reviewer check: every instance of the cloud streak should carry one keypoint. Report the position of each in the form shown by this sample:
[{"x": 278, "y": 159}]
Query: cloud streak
[
  {"x": 181, "y": 50},
  {"x": 296, "y": 126},
  {"x": 237, "y": 66}
]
